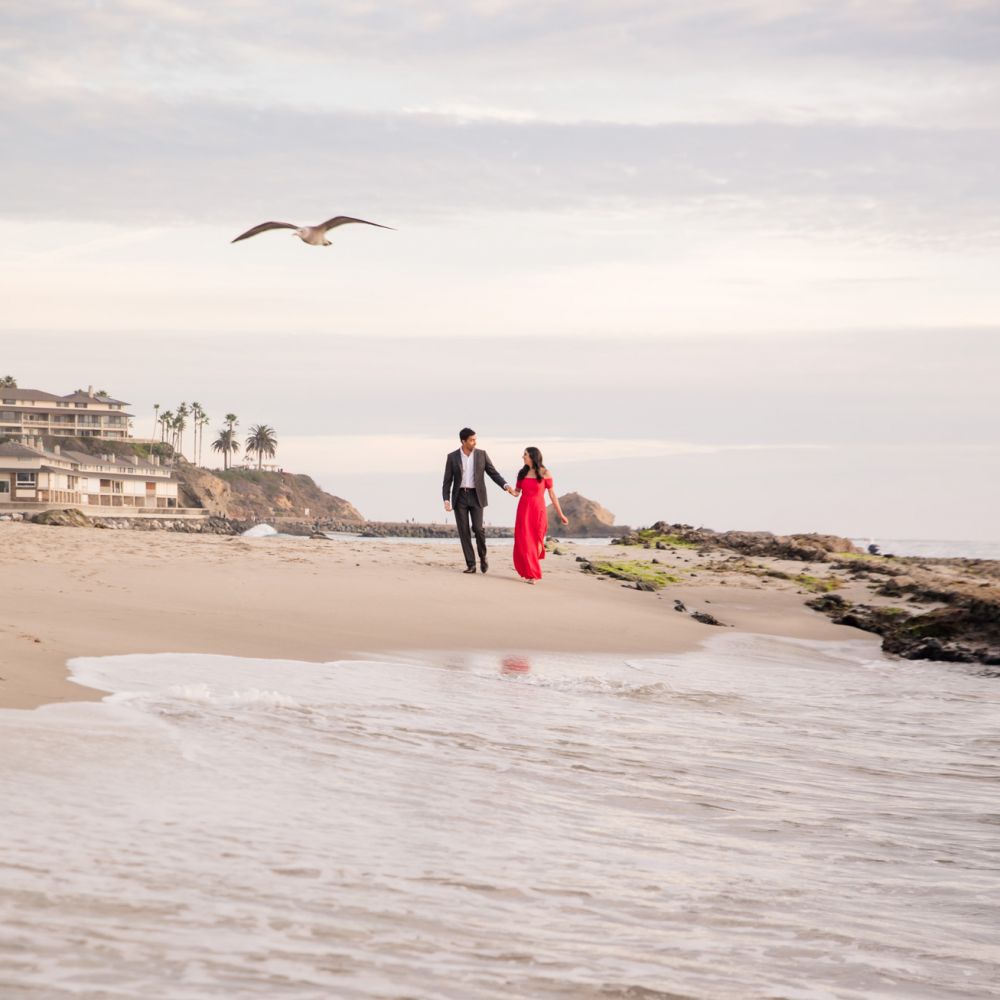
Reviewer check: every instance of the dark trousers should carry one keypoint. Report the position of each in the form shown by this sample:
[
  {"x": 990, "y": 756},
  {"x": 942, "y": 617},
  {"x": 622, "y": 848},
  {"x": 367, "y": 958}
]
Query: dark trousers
[{"x": 467, "y": 509}]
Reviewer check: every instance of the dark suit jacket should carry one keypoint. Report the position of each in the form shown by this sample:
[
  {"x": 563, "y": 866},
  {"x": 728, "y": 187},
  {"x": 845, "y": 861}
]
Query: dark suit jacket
[{"x": 483, "y": 468}]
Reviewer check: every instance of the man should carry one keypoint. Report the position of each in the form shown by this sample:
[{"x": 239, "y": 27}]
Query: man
[{"x": 464, "y": 491}]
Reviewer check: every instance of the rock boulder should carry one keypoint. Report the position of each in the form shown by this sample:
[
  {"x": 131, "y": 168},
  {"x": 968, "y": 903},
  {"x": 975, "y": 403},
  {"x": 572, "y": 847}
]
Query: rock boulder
[
  {"x": 69, "y": 518},
  {"x": 587, "y": 518}
]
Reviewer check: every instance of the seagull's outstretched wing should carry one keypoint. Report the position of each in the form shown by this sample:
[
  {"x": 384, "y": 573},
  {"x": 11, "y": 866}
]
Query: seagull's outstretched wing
[
  {"x": 263, "y": 228},
  {"x": 343, "y": 220}
]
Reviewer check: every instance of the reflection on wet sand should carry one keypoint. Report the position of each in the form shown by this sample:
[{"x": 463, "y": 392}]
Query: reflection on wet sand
[{"x": 515, "y": 665}]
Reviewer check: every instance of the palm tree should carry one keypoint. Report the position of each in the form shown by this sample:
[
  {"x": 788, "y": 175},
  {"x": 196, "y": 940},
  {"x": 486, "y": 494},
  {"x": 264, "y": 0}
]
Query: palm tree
[
  {"x": 261, "y": 440},
  {"x": 231, "y": 421},
  {"x": 202, "y": 424},
  {"x": 156, "y": 417},
  {"x": 8, "y": 382},
  {"x": 196, "y": 413},
  {"x": 175, "y": 424},
  {"x": 179, "y": 424},
  {"x": 166, "y": 423},
  {"x": 226, "y": 443}
]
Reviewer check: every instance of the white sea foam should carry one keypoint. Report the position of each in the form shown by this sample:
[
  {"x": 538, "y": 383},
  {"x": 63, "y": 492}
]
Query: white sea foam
[
  {"x": 762, "y": 818},
  {"x": 260, "y": 531}
]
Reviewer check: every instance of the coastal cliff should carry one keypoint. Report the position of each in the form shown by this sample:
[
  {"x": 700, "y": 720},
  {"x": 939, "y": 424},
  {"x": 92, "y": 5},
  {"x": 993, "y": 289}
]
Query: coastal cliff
[{"x": 257, "y": 495}]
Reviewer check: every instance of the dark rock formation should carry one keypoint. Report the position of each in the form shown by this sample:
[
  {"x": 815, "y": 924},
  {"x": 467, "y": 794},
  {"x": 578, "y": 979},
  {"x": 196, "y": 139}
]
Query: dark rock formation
[
  {"x": 966, "y": 631},
  {"x": 706, "y": 619},
  {"x": 587, "y": 519}
]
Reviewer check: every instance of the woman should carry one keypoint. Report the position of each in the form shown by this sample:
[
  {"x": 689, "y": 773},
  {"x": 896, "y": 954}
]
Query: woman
[{"x": 531, "y": 522}]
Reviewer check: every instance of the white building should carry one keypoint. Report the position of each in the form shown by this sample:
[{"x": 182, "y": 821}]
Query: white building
[
  {"x": 32, "y": 475},
  {"x": 80, "y": 414}
]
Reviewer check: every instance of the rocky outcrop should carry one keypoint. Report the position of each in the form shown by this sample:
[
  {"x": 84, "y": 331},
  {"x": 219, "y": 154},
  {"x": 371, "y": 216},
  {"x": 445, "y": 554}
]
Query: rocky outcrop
[
  {"x": 69, "y": 518},
  {"x": 803, "y": 547},
  {"x": 587, "y": 519},
  {"x": 965, "y": 631}
]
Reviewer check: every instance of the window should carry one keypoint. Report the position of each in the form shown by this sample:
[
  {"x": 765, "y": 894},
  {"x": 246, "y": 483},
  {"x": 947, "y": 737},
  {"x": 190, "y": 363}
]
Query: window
[
  {"x": 26, "y": 480},
  {"x": 4, "y": 486}
]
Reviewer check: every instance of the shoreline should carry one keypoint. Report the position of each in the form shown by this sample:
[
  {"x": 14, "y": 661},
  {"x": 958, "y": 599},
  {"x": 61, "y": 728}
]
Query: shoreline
[{"x": 83, "y": 592}]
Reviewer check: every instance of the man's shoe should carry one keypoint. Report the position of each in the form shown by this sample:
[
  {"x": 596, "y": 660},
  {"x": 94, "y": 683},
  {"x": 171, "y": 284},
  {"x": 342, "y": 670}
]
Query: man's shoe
[
  {"x": 485, "y": 565},
  {"x": 471, "y": 569}
]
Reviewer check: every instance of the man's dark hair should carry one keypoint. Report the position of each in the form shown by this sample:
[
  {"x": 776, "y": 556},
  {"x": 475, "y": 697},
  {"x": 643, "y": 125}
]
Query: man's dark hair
[{"x": 466, "y": 432}]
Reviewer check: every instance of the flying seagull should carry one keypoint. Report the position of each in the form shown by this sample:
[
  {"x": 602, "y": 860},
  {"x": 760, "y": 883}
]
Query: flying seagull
[{"x": 313, "y": 235}]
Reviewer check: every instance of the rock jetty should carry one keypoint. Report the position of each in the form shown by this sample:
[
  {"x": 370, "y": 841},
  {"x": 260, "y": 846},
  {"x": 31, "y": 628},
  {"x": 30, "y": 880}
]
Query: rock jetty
[
  {"x": 376, "y": 529},
  {"x": 73, "y": 517}
]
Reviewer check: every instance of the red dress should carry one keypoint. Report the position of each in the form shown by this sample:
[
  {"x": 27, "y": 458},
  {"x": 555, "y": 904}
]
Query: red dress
[{"x": 530, "y": 526}]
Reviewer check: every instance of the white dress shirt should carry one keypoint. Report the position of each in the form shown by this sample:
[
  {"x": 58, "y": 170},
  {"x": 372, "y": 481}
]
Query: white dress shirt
[{"x": 468, "y": 470}]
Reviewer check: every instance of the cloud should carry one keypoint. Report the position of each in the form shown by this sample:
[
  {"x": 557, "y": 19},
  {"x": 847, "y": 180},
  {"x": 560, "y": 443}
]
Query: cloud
[
  {"x": 621, "y": 29},
  {"x": 904, "y": 62},
  {"x": 154, "y": 162}
]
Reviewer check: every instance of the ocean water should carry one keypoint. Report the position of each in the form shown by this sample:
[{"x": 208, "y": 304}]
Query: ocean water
[
  {"x": 763, "y": 818},
  {"x": 933, "y": 548},
  {"x": 926, "y": 548}
]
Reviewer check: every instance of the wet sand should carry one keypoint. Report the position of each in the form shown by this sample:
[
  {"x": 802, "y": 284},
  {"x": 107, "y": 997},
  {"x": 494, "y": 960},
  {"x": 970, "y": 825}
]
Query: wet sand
[{"x": 88, "y": 592}]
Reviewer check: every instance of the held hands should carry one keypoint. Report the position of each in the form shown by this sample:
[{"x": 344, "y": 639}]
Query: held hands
[{"x": 510, "y": 489}]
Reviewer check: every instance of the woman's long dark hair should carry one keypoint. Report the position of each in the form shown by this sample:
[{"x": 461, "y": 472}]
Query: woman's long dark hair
[{"x": 536, "y": 465}]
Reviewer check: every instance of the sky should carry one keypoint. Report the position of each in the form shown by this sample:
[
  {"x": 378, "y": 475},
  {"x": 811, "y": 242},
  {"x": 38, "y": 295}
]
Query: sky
[{"x": 730, "y": 263}]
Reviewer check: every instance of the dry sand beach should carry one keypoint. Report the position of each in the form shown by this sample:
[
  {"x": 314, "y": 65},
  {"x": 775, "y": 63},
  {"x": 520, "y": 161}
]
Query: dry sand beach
[{"x": 86, "y": 592}]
